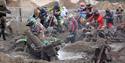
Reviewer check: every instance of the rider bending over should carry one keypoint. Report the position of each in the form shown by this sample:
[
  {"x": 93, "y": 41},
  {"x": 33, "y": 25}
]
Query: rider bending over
[{"x": 98, "y": 20}]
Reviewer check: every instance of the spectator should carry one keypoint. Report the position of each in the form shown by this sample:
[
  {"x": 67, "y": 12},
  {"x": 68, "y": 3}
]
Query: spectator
[
  {"x": 119, "y": 13},
  {"x": 2, "y": 27}
]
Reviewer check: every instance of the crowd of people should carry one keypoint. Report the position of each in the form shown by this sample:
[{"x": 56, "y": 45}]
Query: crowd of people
[{"x": 60, "y": 19}]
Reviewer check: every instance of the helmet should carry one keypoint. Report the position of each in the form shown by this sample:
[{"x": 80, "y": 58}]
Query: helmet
[
  {"x": 56, "y": 4},
  {"x": 64, "y": 7},
  {"x": 31, "y": 21},
  {"x": 96, "y": 13},
  {"x": 89, "y": 5},
  {"x": 82, "y": 4},
  {"x": 107, "y": 10}
]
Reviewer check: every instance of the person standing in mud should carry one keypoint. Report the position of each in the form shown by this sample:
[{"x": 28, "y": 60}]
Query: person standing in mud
[
  {"x": 109, "y": 18},
  {"x": 43, "y": 16},
  {"x": 119, "y": 13},
  {"x": 89, "y": 10},
  {"x": 73, "y": 27},
  {"x": 64, "y": 16},
  {"x": 57, "y": 14},
  {"x": 2, "y": 25}
]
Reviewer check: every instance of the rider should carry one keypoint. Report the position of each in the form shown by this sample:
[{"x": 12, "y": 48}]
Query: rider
[
  {"x": 36, "y": 27},
  {"x": 89, "y": 10},
  {"x": 101, "y": 54},
  {"x": 73, "y": 26},
  {"x": 64, "y": 12},
  {"x": 57, "y": 12},
  {"x": 43, "y": 15},
  {"x": 109, "y": 18},
  {"x": 98, "y": 20},
  {"x": 64, "y": 15},
  {"x": 82, "y": 10},
  {"x": 82, "y": 15}
]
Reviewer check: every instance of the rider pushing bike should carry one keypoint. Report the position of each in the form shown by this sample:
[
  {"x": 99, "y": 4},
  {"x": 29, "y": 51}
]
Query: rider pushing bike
[{"x": 97, "y": 19}]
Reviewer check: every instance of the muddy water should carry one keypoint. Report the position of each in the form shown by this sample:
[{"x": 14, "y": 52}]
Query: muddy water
[
  {"x": 66, "y": 52},
  {"x": 66, "y": 55},
  {"x": 63, "y": 55},
  {"x": 117, "y": 46}
]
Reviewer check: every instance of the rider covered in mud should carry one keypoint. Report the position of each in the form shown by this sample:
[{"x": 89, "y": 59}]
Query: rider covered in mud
[
  {"x": 36, "y": 27},
  {"x": 101, "y": 54},
  {"x": 109, "y": 18}
]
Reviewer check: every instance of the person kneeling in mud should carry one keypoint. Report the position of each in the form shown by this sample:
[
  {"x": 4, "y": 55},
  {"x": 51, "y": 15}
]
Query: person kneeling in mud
[
  {"x": 36, "y": 27},
  {"x": 73, "y": 27}
]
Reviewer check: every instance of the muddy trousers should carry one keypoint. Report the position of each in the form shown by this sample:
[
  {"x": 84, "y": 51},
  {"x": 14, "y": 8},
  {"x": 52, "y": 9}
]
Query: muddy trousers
[
  {"x": 72, "y": 39},
  {"x": 119, "y": 19},
  {"x": 2, "y": 33},
  {"x": 59, "y": 27}
]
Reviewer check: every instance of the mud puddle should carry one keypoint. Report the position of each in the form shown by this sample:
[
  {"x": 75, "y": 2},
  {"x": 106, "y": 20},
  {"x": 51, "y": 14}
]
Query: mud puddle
[
  {"x": 70, "y": 55},
  {"x": 117, "y": 46},
  {"x": 63, "y": 55}
]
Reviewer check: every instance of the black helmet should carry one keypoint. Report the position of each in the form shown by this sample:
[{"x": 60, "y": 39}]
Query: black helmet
[
  {"x": 30, "y": 23},
  {"x": 107, "y": 11},
  {"x": 56, "y": 4},
  {"x": 96, "y": 13},
  {"x": 88, "y": 5}
]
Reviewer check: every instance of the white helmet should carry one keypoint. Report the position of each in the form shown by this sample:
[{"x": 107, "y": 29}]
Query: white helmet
[{"x": 64, "y": 7}]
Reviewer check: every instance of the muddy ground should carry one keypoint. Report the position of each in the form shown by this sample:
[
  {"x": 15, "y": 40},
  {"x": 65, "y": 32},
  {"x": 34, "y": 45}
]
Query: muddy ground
[{"x": 71, "y": 53}]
